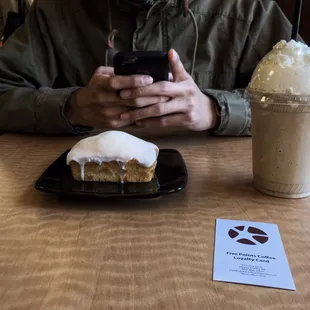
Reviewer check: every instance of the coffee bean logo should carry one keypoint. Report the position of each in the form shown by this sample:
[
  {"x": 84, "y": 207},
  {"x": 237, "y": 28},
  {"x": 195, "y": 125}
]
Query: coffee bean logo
[{"x": 248, "y": 235}]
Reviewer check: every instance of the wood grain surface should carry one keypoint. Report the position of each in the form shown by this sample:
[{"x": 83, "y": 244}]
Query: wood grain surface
[{"x": 60, "y": 253}]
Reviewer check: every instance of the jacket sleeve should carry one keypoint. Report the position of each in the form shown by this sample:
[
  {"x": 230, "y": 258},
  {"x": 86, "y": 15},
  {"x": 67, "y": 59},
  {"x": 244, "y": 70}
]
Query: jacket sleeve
[
  {"x": 28, "y": 73},
  {"x": 268, "y": 26}
]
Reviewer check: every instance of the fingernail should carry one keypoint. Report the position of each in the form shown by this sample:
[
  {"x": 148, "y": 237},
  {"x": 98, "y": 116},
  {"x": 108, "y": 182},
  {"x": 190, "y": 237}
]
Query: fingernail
[
  {"x": 125, "y": 116},
  {"x": 146, "y": 80},
  {"x": 175, "y": 55},
  {"x": 125, "y": 94}
]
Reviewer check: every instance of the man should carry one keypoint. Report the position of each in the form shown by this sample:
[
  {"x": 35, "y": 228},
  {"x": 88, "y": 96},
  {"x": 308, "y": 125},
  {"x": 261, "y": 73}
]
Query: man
[{"x": 56, "y": 75}]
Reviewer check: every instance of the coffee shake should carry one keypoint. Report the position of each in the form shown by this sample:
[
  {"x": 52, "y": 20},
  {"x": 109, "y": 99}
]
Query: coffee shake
[{"x": 279, "y": 93}]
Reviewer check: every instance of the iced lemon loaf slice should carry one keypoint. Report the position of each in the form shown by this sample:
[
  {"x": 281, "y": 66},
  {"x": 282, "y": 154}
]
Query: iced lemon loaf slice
[{"x": 113, "y": 156}]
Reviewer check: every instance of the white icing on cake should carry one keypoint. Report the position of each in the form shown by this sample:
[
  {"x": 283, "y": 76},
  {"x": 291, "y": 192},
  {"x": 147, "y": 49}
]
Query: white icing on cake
[{"x": 113, "y": 146}]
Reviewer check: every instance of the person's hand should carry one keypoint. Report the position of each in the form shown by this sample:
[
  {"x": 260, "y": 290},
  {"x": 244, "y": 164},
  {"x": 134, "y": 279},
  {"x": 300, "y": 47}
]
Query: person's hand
[
  {"x": 99, "y": 105},
  {"x": 188, "y": 106}
]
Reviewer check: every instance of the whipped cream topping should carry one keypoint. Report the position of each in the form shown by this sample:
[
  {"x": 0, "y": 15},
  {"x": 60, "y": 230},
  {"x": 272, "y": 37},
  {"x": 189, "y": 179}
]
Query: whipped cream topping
[
  {"x": 285, "y": 70},
  {"x": 113, "y": 146}
]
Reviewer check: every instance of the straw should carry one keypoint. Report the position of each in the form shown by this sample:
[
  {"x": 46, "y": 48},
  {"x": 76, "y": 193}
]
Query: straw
[{"x": 298, "y": 9}]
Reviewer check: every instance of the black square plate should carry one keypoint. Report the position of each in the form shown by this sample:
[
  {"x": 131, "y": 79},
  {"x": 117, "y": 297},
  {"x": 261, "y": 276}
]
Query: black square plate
[{"x": 171, "y": 177}]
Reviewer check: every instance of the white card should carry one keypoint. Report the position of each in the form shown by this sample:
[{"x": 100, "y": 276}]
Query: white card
[{"x": 250, "y": 253}]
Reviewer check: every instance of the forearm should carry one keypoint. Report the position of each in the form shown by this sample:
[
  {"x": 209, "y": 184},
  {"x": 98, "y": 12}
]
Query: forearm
[
  {"x": 30, "y": 110},
  {"x": 269, "y": 26},
  {"x": 235, "y": 113},
  {"x": 28, "y": 71}
]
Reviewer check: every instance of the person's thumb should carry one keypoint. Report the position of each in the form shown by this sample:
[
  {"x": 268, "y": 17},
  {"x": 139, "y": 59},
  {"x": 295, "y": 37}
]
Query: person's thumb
[{"x": 177, "y": 69}]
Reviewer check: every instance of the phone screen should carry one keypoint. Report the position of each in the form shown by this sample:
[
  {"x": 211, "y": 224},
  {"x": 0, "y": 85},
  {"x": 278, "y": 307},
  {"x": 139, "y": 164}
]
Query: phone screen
[{"x": 154, "y": 64}]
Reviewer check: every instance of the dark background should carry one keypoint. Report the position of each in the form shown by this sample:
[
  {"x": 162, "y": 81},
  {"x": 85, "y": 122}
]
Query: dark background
[{"x": 288, "y": 6}]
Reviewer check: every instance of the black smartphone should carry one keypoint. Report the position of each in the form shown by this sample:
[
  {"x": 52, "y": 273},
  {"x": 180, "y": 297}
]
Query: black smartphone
[{"x": 154, "y": 64}]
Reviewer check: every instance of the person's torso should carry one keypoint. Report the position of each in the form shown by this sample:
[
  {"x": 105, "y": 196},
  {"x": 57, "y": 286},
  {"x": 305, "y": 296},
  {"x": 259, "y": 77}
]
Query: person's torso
[{"x": 80, "y": 33}]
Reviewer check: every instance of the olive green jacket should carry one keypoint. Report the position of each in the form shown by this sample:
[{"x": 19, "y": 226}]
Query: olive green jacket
[{"x": 63, "y": 42}]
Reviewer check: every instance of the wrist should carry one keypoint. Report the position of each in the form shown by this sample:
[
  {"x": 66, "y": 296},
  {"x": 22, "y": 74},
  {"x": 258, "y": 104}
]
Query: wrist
[
  {"x": 71, "y": 110},
  {"x": 216, "y": 114}
]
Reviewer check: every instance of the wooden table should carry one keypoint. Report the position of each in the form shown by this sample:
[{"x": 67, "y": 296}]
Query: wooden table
[{"x": 57, "y": 253}]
